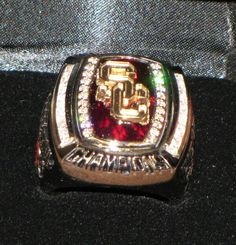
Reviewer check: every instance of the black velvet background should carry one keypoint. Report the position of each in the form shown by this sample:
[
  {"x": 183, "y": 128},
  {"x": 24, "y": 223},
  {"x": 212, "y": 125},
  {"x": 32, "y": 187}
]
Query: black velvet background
[
  {"x": 197, "y": 35},
  {"x": 205, "y": 215}
]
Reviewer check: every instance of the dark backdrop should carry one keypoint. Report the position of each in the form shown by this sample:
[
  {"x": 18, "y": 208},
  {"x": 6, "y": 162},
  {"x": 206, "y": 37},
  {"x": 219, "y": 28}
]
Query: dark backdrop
[
  {"x": 199, "y": 36},
  {"x": 35, "y": 37}
]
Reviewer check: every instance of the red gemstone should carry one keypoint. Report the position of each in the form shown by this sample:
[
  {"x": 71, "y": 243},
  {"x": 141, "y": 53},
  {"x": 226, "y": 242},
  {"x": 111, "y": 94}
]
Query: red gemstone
[{"x": 106, "y": 126}]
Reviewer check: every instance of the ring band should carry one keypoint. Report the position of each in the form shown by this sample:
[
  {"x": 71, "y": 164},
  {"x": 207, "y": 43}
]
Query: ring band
[{"x": 117, "y": 121}]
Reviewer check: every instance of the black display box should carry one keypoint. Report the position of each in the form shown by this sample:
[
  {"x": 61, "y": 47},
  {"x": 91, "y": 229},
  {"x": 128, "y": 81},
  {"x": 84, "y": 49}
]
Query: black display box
[{"x": 199, "y": 36}]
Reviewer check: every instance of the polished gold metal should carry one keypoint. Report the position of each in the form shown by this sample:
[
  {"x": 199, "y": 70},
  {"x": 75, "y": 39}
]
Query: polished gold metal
[{"x": 129, "y": 101}]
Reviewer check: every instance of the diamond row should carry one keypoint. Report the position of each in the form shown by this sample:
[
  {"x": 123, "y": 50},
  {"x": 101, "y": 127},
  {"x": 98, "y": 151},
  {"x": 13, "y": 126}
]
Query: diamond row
[
  {"x": 159, "y": 115},
  {"x": 63, "y": 132},
  {"x": 83, "y": 97},
  {"x": 176, "y": 142}
]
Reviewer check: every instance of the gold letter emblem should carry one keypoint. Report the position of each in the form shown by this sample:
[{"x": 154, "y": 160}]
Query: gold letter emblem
[{"x": 129, "y": 101}]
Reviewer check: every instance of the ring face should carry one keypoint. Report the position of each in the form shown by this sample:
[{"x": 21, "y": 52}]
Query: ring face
[
  {"x": 117, "y": 120},
  {"x": 122, "y": 104}
]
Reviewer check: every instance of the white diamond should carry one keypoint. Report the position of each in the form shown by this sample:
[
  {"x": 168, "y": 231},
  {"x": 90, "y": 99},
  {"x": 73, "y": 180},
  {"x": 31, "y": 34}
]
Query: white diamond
[
  {"x": 83, "y": 95},
  {"x": 87, "y": 132},
  {"x": 83, "y": 88},
  {"x": 83, "y": 111},
  {"x": 82, "y": 104},
  {"x": 155, "y": 132},
  {"x": 89, "y": 67},
  {"x": 161, "y": 95},
  {"x": 160, "y": 111},
  {"x": 155, "y": 66},
  {"x": 160, "y": 88},
  {"x": 156, "y": 72},
  {"x": 86, "y": 124},
  {"x": 87, "y": 74},
  {"x": 83, "y": 116},
  {"x": 161, "y": 103},
  {"x": 85, "y": 81},
  {"x": 157, "y": 125},
  {"x": 152, "y": 138},
  {"x": 159, "y": 118}
]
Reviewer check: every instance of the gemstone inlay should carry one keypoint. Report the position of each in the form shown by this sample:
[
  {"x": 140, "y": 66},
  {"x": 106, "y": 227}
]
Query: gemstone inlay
[
  {"x": 63, "y": 132},
  {"x": 176, "y": 142},
  {"x": 122, "y": 100}
]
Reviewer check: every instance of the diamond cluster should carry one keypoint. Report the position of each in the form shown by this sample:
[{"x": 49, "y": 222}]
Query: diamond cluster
[
  {"x": 159, "y": 115},
  {"x": 63, "y": 132},
  {"x": 176, "y": 142},
  {"x": 83, "y": 97}
]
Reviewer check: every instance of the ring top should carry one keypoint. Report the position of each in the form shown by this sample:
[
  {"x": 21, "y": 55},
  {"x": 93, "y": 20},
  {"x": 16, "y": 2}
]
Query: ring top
[
  {"x": 122, "y": 103},
  {"x": 125, "y": 115}
]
